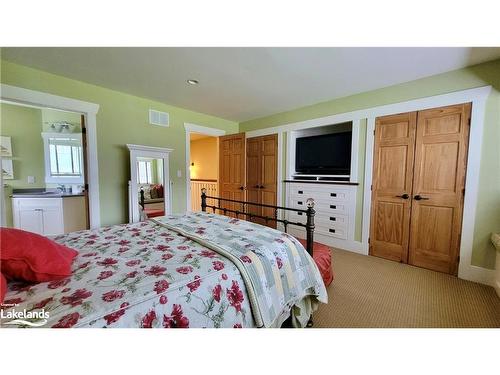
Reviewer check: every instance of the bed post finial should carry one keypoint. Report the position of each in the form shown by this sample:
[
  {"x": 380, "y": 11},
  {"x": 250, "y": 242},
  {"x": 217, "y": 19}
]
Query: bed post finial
[
  {"x": 142, "y": 197},
  {"x": 310, "y": 225},
  {"x": 204, "y": 199}
]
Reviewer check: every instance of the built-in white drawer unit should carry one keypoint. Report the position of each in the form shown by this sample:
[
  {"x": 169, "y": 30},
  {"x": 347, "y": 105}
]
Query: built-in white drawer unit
[
  {"x": 334, "y": 205},
  {"x": 320, "y": 192},
  {"x": 332, "y": 219}
]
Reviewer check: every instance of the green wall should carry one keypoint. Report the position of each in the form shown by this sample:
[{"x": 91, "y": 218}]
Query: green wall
[
  {"x": 121, "y": 119},
  {"x": 488, "y": 206},
  {"x": 24, "y": 126},
  {"x": 50, "y": 116}
]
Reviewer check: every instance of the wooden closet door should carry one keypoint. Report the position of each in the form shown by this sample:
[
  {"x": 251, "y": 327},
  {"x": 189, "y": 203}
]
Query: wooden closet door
[
  {"x": 254, "y": 177},
  {"x": 438, "y": 187},
  {"x": 262, "y": 172},
  {"x": 269, "y": 175},
  {"x": 392, "y": 186},
  {"x": 232, "y": 170}
]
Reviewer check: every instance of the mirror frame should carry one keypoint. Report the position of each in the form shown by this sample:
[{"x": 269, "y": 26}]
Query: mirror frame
[{"x": 140, "y": 151}]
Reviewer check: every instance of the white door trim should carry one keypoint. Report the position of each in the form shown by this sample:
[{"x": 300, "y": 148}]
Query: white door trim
[
  {"x": 367, "y": 191},
  {"x": 149, "y": 152},
  {"x": 478, "y": 98},
  {"x": 194, "y": 128},
  {"x": 401, "y": 107},
  {"x": 89, "y": 110}
]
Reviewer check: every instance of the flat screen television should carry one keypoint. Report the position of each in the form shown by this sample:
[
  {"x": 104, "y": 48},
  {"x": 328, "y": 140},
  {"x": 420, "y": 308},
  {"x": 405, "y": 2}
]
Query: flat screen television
[{"x": 328, "y": 154}]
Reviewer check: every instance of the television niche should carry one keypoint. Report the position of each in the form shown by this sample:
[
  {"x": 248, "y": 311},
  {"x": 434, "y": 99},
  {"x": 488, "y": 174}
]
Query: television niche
[{"x": 324, "y": 155}]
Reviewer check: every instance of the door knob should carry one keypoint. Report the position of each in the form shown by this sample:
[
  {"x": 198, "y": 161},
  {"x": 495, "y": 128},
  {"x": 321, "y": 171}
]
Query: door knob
[
  {"x": 404, "y": 196},
  {"x": 261, "y": 187},
  {"x": 420, "y": 198},
  {"x": 256, "y": 186},
  {"x": 241, "y": 188}
]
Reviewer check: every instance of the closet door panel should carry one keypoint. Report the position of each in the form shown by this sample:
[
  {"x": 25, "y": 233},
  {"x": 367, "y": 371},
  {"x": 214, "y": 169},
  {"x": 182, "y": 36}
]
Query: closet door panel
[
  {"x": 392, "y": 183},
  {"x": 253, "y": 177},
  {"x": 232, "y": 170},
  {"x": 269, "y": 175},
  {"x": 439, "y": 180},
  {"x": 262, "y": 172}
]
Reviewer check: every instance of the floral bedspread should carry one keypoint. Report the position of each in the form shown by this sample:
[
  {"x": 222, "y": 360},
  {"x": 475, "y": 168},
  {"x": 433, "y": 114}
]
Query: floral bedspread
[
  {"x": 276, "y": 269},
  {"x": 141, "y": 275}
]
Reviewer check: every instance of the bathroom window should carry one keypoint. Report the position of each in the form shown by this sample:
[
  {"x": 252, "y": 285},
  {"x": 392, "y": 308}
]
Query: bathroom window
[
  {"x": 144, "y": 172},
  {"x": 63, "y": 158}
]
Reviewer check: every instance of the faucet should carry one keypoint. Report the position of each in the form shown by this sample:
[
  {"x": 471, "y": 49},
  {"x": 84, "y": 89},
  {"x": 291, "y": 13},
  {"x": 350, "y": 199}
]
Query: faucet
[{"x": 62, "y": 188}]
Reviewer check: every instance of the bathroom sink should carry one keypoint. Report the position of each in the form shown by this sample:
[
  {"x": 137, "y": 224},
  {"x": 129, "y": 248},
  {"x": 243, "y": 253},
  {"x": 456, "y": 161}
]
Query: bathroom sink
[{"x": 37, "y": 193}]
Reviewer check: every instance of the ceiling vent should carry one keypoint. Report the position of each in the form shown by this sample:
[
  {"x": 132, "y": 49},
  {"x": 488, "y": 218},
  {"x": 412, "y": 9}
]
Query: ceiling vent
[{"x": 158, "y": 118}]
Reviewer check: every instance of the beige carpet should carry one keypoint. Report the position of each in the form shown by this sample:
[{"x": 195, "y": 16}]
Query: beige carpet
[{"x": 373, "y": 292}]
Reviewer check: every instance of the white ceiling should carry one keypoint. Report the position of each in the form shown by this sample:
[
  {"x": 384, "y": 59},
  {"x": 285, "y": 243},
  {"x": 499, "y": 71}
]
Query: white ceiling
[{"x": 245, "y": 83}]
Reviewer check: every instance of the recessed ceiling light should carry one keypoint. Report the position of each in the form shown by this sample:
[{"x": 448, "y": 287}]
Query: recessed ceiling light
[{"x": 192, "y": 81}]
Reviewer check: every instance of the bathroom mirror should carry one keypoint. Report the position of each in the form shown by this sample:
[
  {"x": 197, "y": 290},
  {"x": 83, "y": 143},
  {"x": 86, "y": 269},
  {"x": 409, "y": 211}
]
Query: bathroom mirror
[{"x": 149, "y": 184}]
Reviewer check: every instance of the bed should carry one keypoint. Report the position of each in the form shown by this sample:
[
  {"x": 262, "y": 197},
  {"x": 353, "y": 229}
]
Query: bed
[{"x": 194, "y": 270}]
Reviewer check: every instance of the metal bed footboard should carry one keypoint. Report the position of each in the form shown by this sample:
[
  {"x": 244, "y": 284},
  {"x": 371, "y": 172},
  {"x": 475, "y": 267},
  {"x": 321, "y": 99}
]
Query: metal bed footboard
[{"x": 310, "y": 212}]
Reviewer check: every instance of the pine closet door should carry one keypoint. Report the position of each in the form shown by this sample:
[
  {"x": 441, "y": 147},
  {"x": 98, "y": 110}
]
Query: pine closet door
[
  {"x": 418, "y": 186},
  {"x": 232, "y": 171},
  {"x": 392, "y": 186},
  {"x": 438, "y": 187},
  {"x": 254, "y": 151},
  {"x": 262, "y": 176}
]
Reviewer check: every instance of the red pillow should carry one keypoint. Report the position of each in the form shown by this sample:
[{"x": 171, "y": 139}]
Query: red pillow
[
  {"x": 159, "y": 189},
  {"x": 30, "y": 257},
  {"x": 3, "y": 287}
]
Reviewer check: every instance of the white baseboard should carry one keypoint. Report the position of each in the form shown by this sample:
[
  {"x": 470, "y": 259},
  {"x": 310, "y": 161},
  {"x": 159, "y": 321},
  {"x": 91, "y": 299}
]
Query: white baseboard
[
  {"x": 354, "y": 246},
  {"x": 477, "y": 274}
]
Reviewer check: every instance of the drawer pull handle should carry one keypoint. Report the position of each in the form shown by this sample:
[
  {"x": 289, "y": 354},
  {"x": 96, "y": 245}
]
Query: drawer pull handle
[
  {"x": 333, "y": 194},
  {"x": 299, "y": 202},
  {"x": 333, "y": 218},
  {"x": 299, "y": 213},
  {"x": 331, "y": 230},
  {"x": 333, "y": 206},
  {"x": 300, "y": 192}
]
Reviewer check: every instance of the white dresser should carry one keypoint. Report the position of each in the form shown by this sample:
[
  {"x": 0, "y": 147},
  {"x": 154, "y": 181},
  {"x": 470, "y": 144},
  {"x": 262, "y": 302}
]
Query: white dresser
[{"x": 335, "y": 206}]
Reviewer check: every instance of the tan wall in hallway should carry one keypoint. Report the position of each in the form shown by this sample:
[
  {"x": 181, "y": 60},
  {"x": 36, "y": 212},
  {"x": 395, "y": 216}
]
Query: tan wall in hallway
[{"x": 205, "y": 156}]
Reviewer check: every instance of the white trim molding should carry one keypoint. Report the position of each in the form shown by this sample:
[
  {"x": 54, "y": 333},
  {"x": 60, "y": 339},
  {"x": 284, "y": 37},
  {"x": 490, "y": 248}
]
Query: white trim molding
[
  {"x": 401, "y": 107},
  {"x": 149, "y": 149},
  {"x": 367, "y": 192},
  {"x": 39, "y": 99},
  {"x": 354, "y": 151},
  {"x": 213, "y": 132},
  {"x": 137, "y": 151},
  {"x": 194, "y": 128}
]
